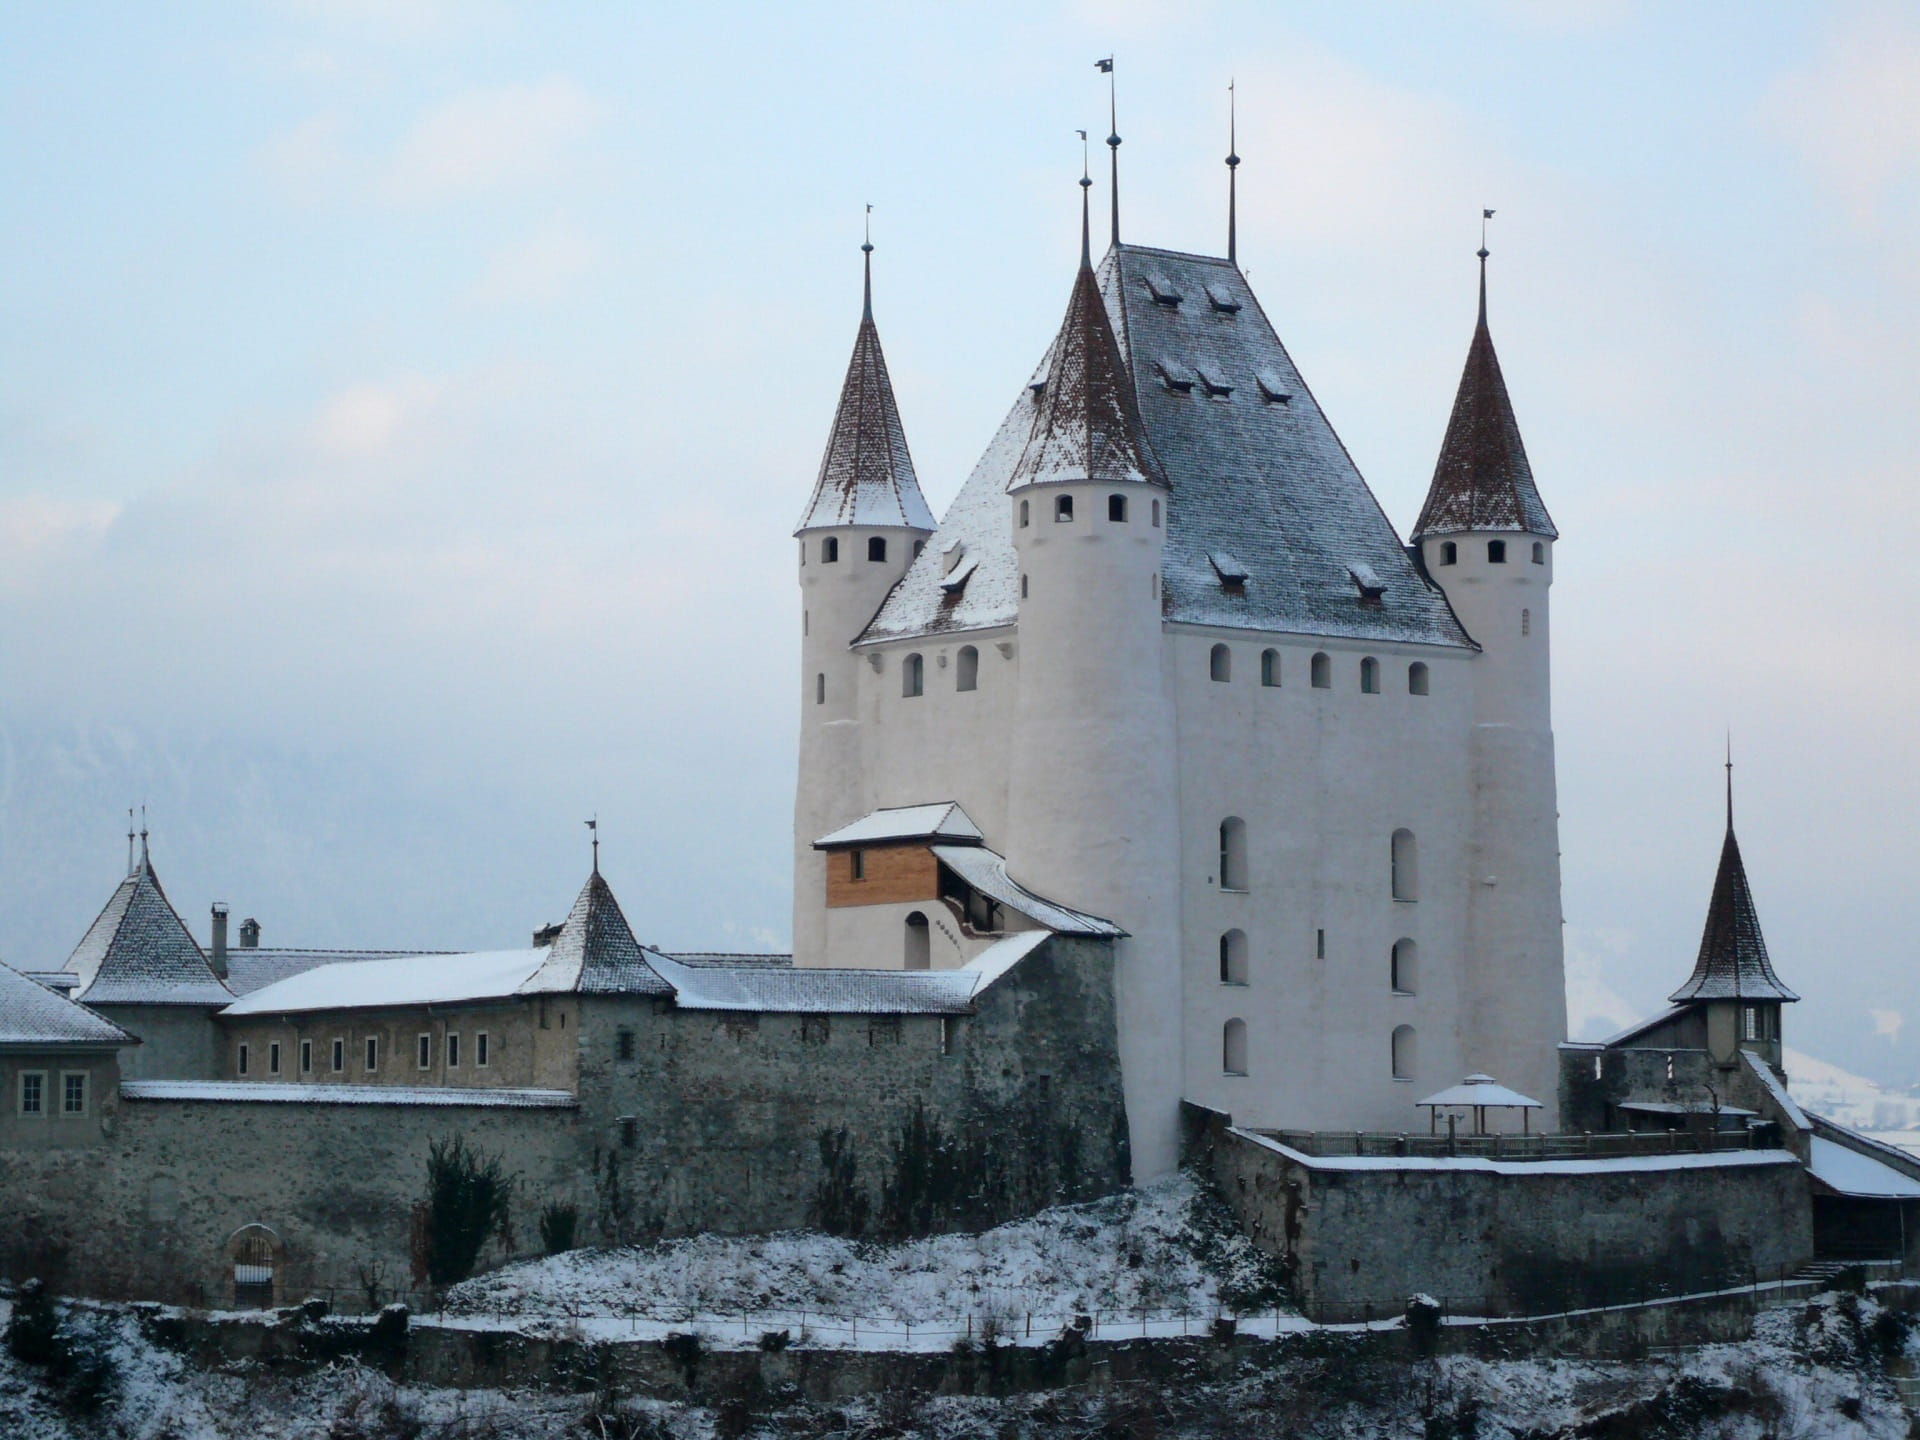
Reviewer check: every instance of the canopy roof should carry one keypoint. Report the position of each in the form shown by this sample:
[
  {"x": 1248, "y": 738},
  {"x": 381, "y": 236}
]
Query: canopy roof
[{"x": 1482, "y": 1091}]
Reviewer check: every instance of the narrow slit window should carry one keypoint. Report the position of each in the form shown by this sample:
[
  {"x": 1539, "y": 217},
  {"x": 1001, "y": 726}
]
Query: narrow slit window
[
  {"x": 1526, "y": 622},
  {"x": 1270, "y": 668},
  {"x": 453, "y": 1050},
  {"x": 245, "y": 1056},
  {"x": 373, "y": 1054},
  {"x": 480, "y": 1056},
  {"x": 857, "y": 864},
  {"x": 913, "y": 677},
  {"x": 820, "y": 688},
  {"x": 1156, "y": 514},
  {"x": 424, "y": 1052},
  {"x": 339, "y": 1056},
  {"x": 1026, "y": 514},
  {"x": 306, "y": 1057}
]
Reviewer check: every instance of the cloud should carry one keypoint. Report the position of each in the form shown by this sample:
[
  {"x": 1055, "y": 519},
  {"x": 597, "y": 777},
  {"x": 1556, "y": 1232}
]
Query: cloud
[
  {"x": 1854, "y": 114},
  {"x": 304, "y": 161},
  {"x": 363, "y": 419},
  {"x": 1887, "y": 1023},
  {"x": 485, "y": 139},
  {"x": 540, "y": 268},
  {"x": 39, "y": 530}
]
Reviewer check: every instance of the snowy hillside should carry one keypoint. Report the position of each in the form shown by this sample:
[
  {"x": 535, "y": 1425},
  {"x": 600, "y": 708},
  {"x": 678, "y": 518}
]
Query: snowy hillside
[{"x": 1854, "y": 1101}]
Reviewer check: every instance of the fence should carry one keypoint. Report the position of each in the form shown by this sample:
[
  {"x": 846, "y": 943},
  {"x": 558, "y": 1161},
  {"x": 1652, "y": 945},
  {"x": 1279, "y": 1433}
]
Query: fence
[{"x": 1337, "y": 1144}]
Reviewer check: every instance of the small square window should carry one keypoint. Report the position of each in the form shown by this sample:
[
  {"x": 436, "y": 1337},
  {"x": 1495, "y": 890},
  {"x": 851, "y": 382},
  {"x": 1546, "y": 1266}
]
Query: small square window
[
  {"x": 829, "y": 551},
  {"x": 480, "y": 1049},
  {"x": 1449, "y": 553},
  {"x": 1117, "y": 509},
  {"x": 73, "y": 1092},
  {"x": 33, "y": 1092},
  {"x": 453, "y": 1051}
]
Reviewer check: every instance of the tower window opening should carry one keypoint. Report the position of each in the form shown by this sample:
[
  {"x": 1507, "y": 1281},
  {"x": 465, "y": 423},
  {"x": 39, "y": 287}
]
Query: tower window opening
[
  {"x": 273, "y": 1058},
  {"x": 820, "y": 688},
  {"x": 1026, "y": 514},
  {"x": 1539, "y": 552},
  {"x": 803, "y": 552},
  {"x": 1233, "y": 1048},
  {"x": 1321, "y": 671},
  {"x": 1117, "y": 509},
  {"x": 1320, "y": 944},
  {"x": 1023, "y": 587},
  {"x": 1063, "y": 509},
  {"x": 1417, "y": 681},
  {"x": 829, "y": 550},
  {"x": 877, "y": 547},
  {"x": 1405, "y": 1052},
  {"x": 919, "y": 942},
  {"x": 913, "y": 674},
  {"x": 1270, "y": 668},
  {"x": 306, "y": 1057},
  {"x": 1406, "y": 867},
  {"x": 1369, "y": 676},
  {"x": 1526, "y": 622},
  {"x": 1233, "y": 853},
  {"x": 1496, "y": 552},
  {"x": 1220, "y": 664},
  {"x": 966, "y": 669},
  {"x": 339, "y": 1056},
  {"x": 1404, "y": 968},
  {"x": 919, "y": 548},
  {"x": 806, "y": 622},
  {"x": 1449, "y": 553},
  {"x": 1233, "y": 958},
  {"x": 1156, "y": 514},
  {"x": 857, "y": 864},
  {"x": 243, "y": 1058}
]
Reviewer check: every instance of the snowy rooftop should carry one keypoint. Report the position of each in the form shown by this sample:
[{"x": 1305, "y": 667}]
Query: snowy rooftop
[
  {"x": 243, "y": 1092},
  {"x": 1605, "y": 1165},
  {"x": 1852, "y": 1173},
  {"x": 32, "y": 1015},
  {"x": 138, "y": 951},
  {"x": 251, "y": 968},
  {"x": 1479, "y": 1090},
  {"x": 987, "y": 872},
  {"x": 945, "y": 821},
  {"x": 1733, "y": 963},
  {"x": 406, "y": 980}
]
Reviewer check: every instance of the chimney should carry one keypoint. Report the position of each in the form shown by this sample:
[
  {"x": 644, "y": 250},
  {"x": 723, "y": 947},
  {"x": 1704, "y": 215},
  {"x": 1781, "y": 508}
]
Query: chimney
[
  {"x": 220, "y": 938},
  {"x": 546, "y": 935},
  {"x": 249, "y": 934}
]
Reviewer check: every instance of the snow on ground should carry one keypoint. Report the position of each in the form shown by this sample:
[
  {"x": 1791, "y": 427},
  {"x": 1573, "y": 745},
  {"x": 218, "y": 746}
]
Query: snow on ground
[{"x": 1853, "y": 1100}]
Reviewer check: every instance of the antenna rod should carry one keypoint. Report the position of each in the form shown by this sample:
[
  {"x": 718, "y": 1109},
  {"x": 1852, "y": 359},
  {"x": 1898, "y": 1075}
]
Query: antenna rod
[
  {"x": 1233, "y": 176},
  {"x": 1113, "y": 139},
  {"x": 1729, "y": 780},
  {"x": 1485, "y": 215}
]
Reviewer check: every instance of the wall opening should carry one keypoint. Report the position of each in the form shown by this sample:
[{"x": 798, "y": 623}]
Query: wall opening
[
  {"x": 1449, "y": 552},
  {"x": 913, "y": 676},
  {"x": 1496, "y": 552},
  {"x": 1233, "y": 1047},
  {"x": 1117, "y": 509},
  {"x": 820, "y": 688},
  {"x": 1320, "y": 672},
  {"x": 1270, "y": 668},
  {"x": 1063, "y": 509},
  {"x": 919, "y": 942},
  {"x": 1220, "y": 664},
  {"x": 1417, "y": 681},
  {"x": 252, "y": 1248},
  {"x": 1526, "y": 622},
  {"x": 829, "y": 550},
  {"x": 1369, "y": 676},
  {"x": 877, "y": 547},
  {"x": 1233, "y": 853},
  {"x": 1026, "y": 515},
  {"x": 1405, "y": 1052},
  {"x": 1539, "y": 552},
  {"x": 1405, "y": 968},
  {"x": 1233, "y": 958},
  {"x": 1406, "y": 866},
  {"x": 1156, "y": 514},
  {"x": 966, "y": 669}
]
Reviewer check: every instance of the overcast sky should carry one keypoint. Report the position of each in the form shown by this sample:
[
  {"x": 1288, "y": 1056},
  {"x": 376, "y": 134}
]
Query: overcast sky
[{"x": 404, "y": 408}]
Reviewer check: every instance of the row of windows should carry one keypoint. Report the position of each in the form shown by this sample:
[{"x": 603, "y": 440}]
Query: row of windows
[
  {"x": 1403, "y": 961},
  {"x": 36, "y": 1100},
  {"x": 876, "y": 549},
  {"x": 1496, "y": 552},
  {"x": 1319, "y": 671},
  {"x": 815, "y": 1029},
  {"x": 423, "y": 1054},
  {"x": 1403, "y": 1052},
  {"x": 1404, "y": 862},
  {"x": 1063, "y": 511}
]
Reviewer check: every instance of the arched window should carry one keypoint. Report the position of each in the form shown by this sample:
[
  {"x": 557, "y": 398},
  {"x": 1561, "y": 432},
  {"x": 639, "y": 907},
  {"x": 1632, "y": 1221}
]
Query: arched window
[
  {"x": 1406, "y": 866},
  {"x": 253, "y": 1248},
  {"x": 1156, "y": 514},
  {"x": 1405, "y": 1052},
  {"x": 1233, "y": 1047},
  {"x": 1233, "y": 958},
  {"x": 966, "y": 669},
  {"x": 1496, "y": 552},
  {"x": 919, "y": 942},
  {"x": 829, "y": 550},
  {"x": 1063, "y": 509},
  {"x": 803, "y": 552},
  {"x": 1417, "y": 678},
  {"x": 919, "y": 548},
  {"x": 820, "y": 688},
  {"x": 1526, "y": 622},
  {"x": 1270, "y": 667},
  {"x": 913, "y": 676},
  {"x": 876, "y": 547},
  {"x": 1405, "y": 973},
  {"x": 1117, "y": 508},
  {"x": 1321, "y": 672},
  {"x": 1025, "y": 514},
  {"x": 1233, "y": 853},
  {"x": 1449, "y": 552},
  {"x": 1539, "y": 552},
  {"x": 1220, "y": 664},
  {"x": 1369, "y": 676}
]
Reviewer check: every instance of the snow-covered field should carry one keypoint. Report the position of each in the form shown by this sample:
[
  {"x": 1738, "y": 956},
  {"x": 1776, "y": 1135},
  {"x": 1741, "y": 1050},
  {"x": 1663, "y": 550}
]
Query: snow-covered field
[{"x": 1854, "y": 1101}]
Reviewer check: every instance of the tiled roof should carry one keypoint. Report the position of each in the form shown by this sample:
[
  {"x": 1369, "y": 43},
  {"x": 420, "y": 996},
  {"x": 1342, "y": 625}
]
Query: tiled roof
[
  {"x": 987, "y": 872},
  {"x": 945, "y": 821},
  {"x": 866, "y": 476},
  {"x": 595, "y": 952},
  {"x": 251, "y": 967},
  {"x": 792, "y": 990},
  {"x": 33, "y": 1016},
  {"x": 138, "y": 951},
  {"x": 1256, "y": 473},
  {"x": 1733, "y": 962},
  {"x": 244, "y": 1092},
  {"x": 1483, "y": 480}
]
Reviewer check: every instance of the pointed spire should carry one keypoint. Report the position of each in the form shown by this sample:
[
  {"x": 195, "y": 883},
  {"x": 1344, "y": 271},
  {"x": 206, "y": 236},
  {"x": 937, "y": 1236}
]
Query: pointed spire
[
  {"x": 595, "y": 951},
  {"x": 866, "y": 476},
  {"x": 1086, "y": 187},
  {"x": 1483, "y": 480},
  {"x": 1113, "y": 140},
  {"x": 1733, "y": 963},
  {"x": 1086, "y": 424},
  {"x": 138, "y": 951},
  {"x": 1233, "y": 178}
]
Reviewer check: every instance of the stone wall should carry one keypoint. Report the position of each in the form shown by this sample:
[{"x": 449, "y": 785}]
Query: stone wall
[
  {"x": 1512, "y": 1237},
  {"x": 177, "y": 1042},
  {"x": 53, "y": 1128},
  {"x": 1590, "y": 1101}
]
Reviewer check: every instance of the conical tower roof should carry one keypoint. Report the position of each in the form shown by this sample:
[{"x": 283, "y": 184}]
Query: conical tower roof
[
  {"x": 1733, "y": 962},
  {"x": 1483, "y": 480},
  {"x": 595, "y": 952},
  {"x": 139, "y": 952},
  {"x": 866, "y": 476}
]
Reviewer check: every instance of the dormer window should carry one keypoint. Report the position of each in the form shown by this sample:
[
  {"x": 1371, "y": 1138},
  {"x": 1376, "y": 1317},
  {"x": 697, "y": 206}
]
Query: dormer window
[
  {"x": 956, "y": 581},
  {"x": 1222, "y": 301},
  {"x": 1175, "y": 376},
  {"x": 1162, "y": 291},
  {"x": 1370, "y": 585},
  {"x": 1213, "y": 382},
  {"x": 1273, "y": 389},
  {"x": 1233, "y": 574}
]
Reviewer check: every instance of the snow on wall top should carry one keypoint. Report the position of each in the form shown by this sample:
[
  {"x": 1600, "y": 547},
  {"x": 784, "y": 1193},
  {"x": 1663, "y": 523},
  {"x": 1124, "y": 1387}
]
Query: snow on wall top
[
  {"x": 945, "y": 821},
  {"x": 407, "y": 980},
  {"x": 1256, "y": 472},
  {"x": 138, "y": 951},
  {"x": 31, "y": 1015},
  {"x": 1733, "y": 962},
  {"x": 245, "y": 1092}
]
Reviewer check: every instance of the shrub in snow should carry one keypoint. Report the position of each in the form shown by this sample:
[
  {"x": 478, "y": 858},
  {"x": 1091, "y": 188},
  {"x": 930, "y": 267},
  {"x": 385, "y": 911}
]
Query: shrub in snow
[
  {"x": 33, "y": 1330},
  {"x": 468, "y": 1201},
  {"x": 557, "y": 1226}
]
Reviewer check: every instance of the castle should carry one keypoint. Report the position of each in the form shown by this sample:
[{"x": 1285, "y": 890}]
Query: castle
[{"x": 1158, "y": 803}]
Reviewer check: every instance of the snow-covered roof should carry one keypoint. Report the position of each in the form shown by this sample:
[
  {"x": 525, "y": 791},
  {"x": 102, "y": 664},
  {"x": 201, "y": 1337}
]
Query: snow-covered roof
[
  {"x": 866, "y": 475},
  {"x": 251, "y": 967},
  {"x": 34, "y": 1017},
  {"x": 1685, "y": 1107},
  {"x": 987, "y": 872},
  {"x": 244, "y": 1092},
  {"x": 1611, "y": 1165},
  {"x": 384, "y": 984},
  {"x": 138, "y": 951},
  {"x": 1852, "y": 1173},
  {"x": 1777, "y": 1092},
  {"x": 945, "y": 821},
  {"x": 595, "y": 952},
  {"x": 1636, "y": 1030},
  {"x": 1733, "y": 962},
  {"x": 1264, "y": 480},
  {"x": 1481, "y": 1090}
]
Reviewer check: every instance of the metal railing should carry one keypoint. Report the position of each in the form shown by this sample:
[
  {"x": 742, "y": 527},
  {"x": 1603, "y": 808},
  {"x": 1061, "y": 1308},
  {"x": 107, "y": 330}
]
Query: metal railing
[{"x": 1593, "y": 1145}]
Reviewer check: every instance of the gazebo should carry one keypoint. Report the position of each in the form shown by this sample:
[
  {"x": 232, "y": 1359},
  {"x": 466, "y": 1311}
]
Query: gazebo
[{"x": 1482, "y": 1093}]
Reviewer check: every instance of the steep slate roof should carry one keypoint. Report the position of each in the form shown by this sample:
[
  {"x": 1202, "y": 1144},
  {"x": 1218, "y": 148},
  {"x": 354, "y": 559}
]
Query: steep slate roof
[
  {"x": 138, "y": 951},
  {"x": 595, "y": 952},
  {"x": 34, "y": 1017},
  {"x": 1258, "y": 477},
  {"x": 1733, "y": 963},
  {"x": 866, "y": 476},
  {"x": 1483, "y": 480}
]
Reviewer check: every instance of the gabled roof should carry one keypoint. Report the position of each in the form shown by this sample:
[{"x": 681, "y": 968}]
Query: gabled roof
[
  {"x": 945, "y": 821},
  {"x": 595, "y": 952},
  {"x": 1483, "y": 480},
  {"x": 1256, "y": 473},
  {"x": 866, "y": 476},
  {"x": 138, "y": 951},
  {"x": 1733, "y": 962},
  {"x": 401, "y": 981},
  {"x": 34, "y": 1017}
]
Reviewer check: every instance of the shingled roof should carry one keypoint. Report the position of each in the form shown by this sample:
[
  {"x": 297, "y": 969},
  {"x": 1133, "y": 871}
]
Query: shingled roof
[
  {"x": 1255, "y": 471},
  {"x": 866, "y": 476},
  {"x": 1733, "y": 962},
  {"x": 1482, "y": 480},
  {"x": 595, "y": 952},
  {"x": 34, "y": 1017},
  {"x": 138, "y": 951}
]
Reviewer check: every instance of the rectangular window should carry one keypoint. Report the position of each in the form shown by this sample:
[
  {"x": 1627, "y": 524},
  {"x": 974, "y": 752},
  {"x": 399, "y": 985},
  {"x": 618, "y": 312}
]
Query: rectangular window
[
  {"x": 1319, "y": 944},
  {"x": 33, "y": 1092},
  {"x": 883, "y": 1030},
  {"x": 624, "y": 1044},
  {"x": 1750, "y": 1022},
  {"x": 73, "y": 1092},
  {"x": 306, "y": 1057},
  {"x": 858, "y": 860},
  {"x": 814, "y": 1029},
  {"x": 244, "y": 1055},
  {"x": 480, "y": 1048},
  {"x": 339, "y": 1056},
  {"x": 629, "y": 1132},
  {"x": 453, "y": 1051},
  {"x": 373, "y": 1053},
  {"x": 425, "y": 1050},
  {"x": 949, "y": 1027},
  {"x": 273, "y": 1058}
]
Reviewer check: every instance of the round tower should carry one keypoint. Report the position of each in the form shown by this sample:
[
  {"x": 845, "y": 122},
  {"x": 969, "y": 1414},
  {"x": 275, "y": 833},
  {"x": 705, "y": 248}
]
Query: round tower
[{"x": 863, "y": 527}]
